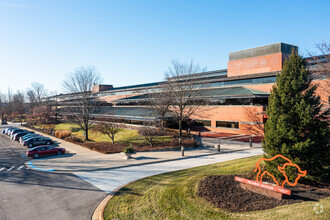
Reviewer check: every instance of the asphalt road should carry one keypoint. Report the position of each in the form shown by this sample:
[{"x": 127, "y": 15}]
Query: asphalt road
[{"x": 29, "y": 194}]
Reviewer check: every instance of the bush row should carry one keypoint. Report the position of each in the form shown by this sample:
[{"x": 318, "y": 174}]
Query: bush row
[{"x": 109, "y": 148}]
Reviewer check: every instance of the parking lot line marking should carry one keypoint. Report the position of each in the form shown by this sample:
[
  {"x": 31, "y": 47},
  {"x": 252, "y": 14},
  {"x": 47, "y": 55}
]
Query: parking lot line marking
[
  {"x": 20, "y": 167},
  {"x": 2, "y": 168},
  {"x": 11, "y": 168},
  {"x": 37, "y": 168}
]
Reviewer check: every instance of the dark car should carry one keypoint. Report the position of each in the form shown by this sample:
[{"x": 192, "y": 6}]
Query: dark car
[
  {"x": 36, "y": 141},
  {"x": 21, "y": 134},
  {"x": 28, "y": 136},
  {"x": 16, "y": 132},
  {"x": 44, "y": 150},
  {"x": 7, "y": 132}
]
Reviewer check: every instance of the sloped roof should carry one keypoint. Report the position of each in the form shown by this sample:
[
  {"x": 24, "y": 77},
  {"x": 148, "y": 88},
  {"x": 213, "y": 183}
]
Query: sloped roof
[
  {"x": 229, "y": 92},
  {"x": 232, "y": 91},
  {"x": 125, "y": 111}
]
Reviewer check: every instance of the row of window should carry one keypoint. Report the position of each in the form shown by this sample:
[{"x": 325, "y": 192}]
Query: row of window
[
  {"x": 206, "y": 102},
  {"x": 270, "y": 79},
  {"x": 220, "y": 124},
  {"x": 227, "y": 124}
]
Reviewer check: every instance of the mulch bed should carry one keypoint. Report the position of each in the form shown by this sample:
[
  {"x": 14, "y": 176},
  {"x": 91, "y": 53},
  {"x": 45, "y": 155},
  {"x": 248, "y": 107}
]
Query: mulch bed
[
  {"x": 242, "y": 138},
  {"x": 224, "y": 192},
  {"x": 218, "y": 134},
  {"x": 109, "y": 148}
]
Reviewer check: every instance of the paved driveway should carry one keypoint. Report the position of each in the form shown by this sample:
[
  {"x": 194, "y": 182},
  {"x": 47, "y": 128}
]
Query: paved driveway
[{"x": 29, "y": 194}]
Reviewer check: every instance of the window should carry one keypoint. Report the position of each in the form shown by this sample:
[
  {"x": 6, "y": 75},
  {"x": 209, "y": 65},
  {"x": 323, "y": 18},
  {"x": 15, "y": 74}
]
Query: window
[
  {"x": 203, "y": 122},
  {"x": 227, "y": 124}
]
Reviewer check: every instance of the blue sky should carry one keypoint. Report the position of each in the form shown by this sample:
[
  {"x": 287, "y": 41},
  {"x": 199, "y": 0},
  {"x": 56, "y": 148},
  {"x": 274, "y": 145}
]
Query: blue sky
[{"x": 132, "y": 42}]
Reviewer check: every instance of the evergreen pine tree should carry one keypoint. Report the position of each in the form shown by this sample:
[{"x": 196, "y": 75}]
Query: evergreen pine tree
[{"x": 295, "y": 127}]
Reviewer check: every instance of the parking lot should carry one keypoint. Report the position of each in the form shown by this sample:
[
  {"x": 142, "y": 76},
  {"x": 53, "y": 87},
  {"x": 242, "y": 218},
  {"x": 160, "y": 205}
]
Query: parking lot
[
  {"x": 31, "y": 194},
  {"x": 12, "y": 155}
]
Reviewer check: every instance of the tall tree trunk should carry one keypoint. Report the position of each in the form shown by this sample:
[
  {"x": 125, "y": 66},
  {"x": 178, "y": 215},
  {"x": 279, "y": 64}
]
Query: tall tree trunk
[
  {"x": 180, "y": 128},
  {"x": 86, "y": 134},
  {"x": 162, "y": 124}
]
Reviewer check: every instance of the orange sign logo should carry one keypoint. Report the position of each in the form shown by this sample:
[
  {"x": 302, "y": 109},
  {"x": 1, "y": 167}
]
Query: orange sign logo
[{"x": 260, "y": 174}]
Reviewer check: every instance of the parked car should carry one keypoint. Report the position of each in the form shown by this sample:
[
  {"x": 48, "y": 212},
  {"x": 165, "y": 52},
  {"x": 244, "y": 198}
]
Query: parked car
[
  {"x": 28, "y": 136},
  {"x": 36, "y": 141},
  {"x": 21, "y": 134},
  {"x": 15, "y": 132},
  {"x": 44, "y": 150},
  {"x": 10, "y": 130},
  {"x": 4, "y": 131}
]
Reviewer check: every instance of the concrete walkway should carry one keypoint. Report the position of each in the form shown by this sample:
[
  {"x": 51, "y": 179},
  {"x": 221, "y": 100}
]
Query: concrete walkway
[{"x": 109, "y": 180}]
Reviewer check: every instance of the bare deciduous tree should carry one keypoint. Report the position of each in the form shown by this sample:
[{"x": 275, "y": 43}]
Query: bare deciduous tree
[
  {"x": 9, "y": 105},
  {"x": 79, "y": 83},
  {"x": 183, "y": 89},
  {"x": 2, "y": 103},
  {"x": 108, "y": 128},
  {"x": 320, "y": 67},
  {"x": 18, "y": 103},
  {"x": 36, "y": 93},
  {"x": 52, "y": 101},
  {"x": 40, "y": 114},
  {"x": 160, "y": 102},
  {"x": 39, "y": 90},
  {"x": 149, "y": 134}
]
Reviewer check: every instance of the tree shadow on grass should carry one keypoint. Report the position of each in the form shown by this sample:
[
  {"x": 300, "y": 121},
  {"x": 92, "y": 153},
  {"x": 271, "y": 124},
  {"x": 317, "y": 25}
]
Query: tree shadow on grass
[{"x": 126, "y": 190}]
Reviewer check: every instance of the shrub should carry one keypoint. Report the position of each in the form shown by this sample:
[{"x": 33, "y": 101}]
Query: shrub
[
  {"x": 110, "y": 148},
  {"x": 62, "y": 134},
  {"x": 149, "y": 134},
  {"x": 129, "y": 150}
]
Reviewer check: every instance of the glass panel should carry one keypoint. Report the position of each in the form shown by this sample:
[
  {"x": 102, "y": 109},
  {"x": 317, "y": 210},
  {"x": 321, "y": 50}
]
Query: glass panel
[
  {"x": 204, "y": 122},
  {"x": 227, "y": 124}
]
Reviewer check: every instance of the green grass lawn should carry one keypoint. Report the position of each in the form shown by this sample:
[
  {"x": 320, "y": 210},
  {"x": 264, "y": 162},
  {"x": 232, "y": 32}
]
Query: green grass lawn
[
  {"x": 174, "y": 196},
  {"x": 125, "y": 135}
]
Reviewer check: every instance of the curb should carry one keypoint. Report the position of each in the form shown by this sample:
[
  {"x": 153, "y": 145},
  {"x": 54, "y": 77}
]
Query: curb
[{"x": 99, "y": 211}]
